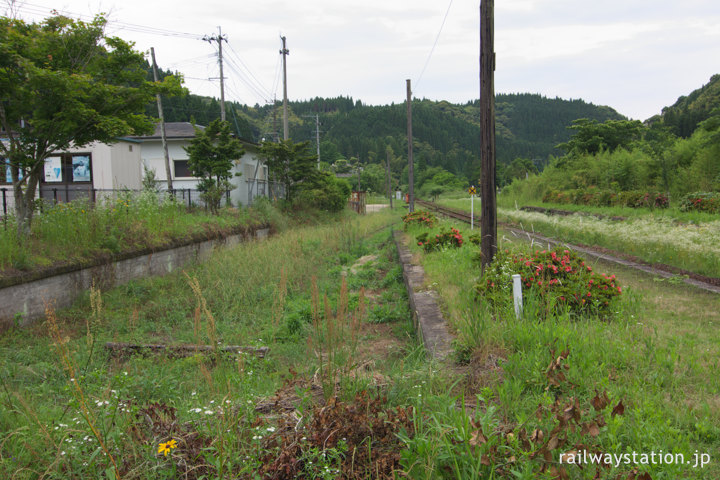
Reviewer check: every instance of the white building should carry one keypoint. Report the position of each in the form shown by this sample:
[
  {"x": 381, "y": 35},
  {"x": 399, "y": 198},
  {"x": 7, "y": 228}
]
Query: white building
[
  {"x": 100, "y": 169},
  {"x": 251, "y": 182}
]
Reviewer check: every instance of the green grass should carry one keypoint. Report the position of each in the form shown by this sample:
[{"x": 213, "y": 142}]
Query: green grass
[
  {"x": 78, "y": 231},
  {"x": 654, "y": 237},
  {"x": 256, "y": 294},
  {"x": 658, "y": 356}
]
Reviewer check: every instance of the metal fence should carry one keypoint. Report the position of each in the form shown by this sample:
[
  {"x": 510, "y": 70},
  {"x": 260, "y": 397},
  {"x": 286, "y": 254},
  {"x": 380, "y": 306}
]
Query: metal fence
[
  {"x": 263, "y": 188},
  {"x": 190, "y": 198}
]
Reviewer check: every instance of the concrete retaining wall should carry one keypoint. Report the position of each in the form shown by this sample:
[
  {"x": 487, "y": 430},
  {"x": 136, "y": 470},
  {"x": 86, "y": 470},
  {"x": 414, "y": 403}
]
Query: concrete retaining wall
[
  {"x": 27, "y": 300},
  {"x": 428, "y": 319}
]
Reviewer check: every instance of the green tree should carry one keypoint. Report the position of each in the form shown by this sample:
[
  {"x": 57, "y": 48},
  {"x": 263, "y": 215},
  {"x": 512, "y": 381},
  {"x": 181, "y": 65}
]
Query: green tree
[
  {"x": 325, "y": 192},
  {"x": 65, "y": 83},
  {"x": 210, "y": 157},
  {"x": 592, "y": 137},
  {"x": 290, "y": 163}
]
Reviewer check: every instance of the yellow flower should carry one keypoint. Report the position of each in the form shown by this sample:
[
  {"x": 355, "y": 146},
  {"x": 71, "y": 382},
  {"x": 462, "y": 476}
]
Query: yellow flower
[{"x": 166, "y": 447}]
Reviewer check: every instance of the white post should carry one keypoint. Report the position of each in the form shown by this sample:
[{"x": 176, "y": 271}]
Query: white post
[{"x": 517, "y": 295}]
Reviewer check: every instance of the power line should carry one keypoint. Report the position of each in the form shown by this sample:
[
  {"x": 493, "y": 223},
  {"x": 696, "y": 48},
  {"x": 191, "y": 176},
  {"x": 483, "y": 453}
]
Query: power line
[
  {"x": 417, "y": 82},
  {"x": 257, "y": 82},
  {"x": 45, "y": 11}
]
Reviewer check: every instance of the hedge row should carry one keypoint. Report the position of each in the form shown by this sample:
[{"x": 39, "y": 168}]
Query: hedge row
[
  {"x": 701, "y": 202},
  {"x": 606, "y": 198}
]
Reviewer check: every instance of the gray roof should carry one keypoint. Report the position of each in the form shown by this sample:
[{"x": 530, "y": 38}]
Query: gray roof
[
  {"x": 182, "y": 130},
  {"x": 174, "y": 130}
]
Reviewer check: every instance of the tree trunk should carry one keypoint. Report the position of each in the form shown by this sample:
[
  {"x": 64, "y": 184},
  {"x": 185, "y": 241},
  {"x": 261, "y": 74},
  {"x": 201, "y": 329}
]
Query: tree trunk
[{"x": 25, "y": 202}]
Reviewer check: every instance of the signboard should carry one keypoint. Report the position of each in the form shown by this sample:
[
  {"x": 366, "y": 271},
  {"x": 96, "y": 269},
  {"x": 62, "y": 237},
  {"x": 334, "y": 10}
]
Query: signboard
[
  {"x": 8, "y": 171},
  {"x": 472, "y": 190},
  {"x": 81, "y": 168},
  {"x": 53, "y": 169}
]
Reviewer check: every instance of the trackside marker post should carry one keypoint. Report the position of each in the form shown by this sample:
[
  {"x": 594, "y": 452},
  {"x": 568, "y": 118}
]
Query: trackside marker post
[
  {"x": 517, "y": 295},
  {"x": 472, "y": 205}
]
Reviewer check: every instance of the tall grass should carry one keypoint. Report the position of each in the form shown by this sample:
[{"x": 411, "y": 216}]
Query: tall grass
[
  {"x": 68, "y": 410},
  {"x": 648, "y": 357},
  {"x": 78, "y": 230}
]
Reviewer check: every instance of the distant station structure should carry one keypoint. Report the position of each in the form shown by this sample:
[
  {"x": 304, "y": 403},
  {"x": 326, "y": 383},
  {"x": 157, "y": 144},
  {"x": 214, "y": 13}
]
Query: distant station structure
[{"x": 357, "y": 202}]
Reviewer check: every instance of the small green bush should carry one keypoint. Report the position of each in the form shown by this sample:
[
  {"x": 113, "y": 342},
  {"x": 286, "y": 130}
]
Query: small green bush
[
  {"x": 419, "y": 217},
  {"x": 450, "y": 238}
]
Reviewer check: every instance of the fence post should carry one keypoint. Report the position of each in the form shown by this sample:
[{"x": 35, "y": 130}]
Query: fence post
[
  {"x": 4, "y": 207},
  {"x": 189, "y": 202},
  {"x": 55, "y": 195}
]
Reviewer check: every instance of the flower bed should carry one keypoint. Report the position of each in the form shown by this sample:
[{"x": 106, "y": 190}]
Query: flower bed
[
  {"x": 419, "y": 217},
  {"x": 701, "y": 202},
  {"x": 450, "y": 238},
  {"x": 559, "y": 279}
]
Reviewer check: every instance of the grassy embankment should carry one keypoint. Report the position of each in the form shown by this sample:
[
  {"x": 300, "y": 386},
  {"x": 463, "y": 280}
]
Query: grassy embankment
[
  {"x": 686, "y": 240},
  {"x": 78, "y": 232},
  {"x": 657, "y": 355}
]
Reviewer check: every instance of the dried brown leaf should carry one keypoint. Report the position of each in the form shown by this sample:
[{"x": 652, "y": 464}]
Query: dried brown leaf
[{"x": 477, "y": 438}]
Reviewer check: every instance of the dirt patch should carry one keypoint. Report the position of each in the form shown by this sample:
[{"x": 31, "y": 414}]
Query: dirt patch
[
  {"x": 362, "y": 261},
  {"x": 377, "y": 342},
  {"x": 484, "y": 370}
]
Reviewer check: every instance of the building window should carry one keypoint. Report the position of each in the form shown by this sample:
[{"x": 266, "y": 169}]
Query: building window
[{"x": 182, "y": 168}]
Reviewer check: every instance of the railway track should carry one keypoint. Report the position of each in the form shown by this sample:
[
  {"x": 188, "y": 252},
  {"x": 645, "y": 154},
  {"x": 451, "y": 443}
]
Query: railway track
[{"x": 693, "y": 279}]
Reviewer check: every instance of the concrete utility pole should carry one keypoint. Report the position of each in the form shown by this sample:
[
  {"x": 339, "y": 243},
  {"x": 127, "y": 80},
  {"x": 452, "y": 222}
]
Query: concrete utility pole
[
  {"x": 411, "y": 166},
  {"x": 219, "y": 38},
  {"x": 162, "y": 125},
  {"x": 285, "y": 52},
  {"x": 488, "y": 219}
]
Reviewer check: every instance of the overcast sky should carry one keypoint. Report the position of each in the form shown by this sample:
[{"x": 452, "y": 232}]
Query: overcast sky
[{"x": 636, "y": 56}]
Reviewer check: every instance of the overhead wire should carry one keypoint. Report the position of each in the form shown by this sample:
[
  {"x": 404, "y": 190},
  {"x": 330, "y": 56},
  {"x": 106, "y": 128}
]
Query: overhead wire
[
  {"x": 256, "y": 81},
  {"x": 43, "y": 10},
  {"x": 437, "y": 38},
  {"x": 234, "y": 61}
]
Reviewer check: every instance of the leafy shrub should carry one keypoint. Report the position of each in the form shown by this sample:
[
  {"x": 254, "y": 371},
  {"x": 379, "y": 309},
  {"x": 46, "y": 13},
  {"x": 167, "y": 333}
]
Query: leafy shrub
[
  {"x": 559, "y": 278},
  {"x": 605, "y": 198},
  {"x": 324, "y": 192},
  {"x": 451, "y": 238},
  {"x": 419, "y": 217},
  {"x": 701, "y": 202}
]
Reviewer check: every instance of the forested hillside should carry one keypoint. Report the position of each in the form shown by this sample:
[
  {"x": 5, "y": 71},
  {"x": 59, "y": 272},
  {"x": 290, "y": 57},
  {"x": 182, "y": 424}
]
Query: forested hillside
[
  {"x": 672, "y": 159},
  {"x": 445, "y": 135},
  {"x": 684, "y": 116}
]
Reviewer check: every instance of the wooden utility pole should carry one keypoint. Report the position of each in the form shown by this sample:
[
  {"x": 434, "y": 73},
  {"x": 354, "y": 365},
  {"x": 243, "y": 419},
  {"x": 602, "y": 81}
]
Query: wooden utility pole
[
  {"x": 317, "y": 138},
  {"x": 387, "y": 176},
  {"x": 219, "y": 38},
  {"x": 411, "y": 166},
  {"x": 285, "y": 52},
  {"x": 488, "y": 218},
  {"x": 162, "y": 126}
]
